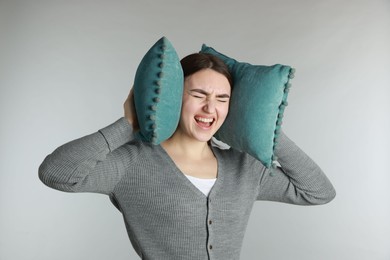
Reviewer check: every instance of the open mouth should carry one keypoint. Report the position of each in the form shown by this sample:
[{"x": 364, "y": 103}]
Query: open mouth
[{"x": 204, "y": 121}]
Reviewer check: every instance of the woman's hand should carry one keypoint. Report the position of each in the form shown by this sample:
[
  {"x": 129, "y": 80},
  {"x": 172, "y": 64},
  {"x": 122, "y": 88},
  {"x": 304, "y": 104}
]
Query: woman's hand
[{"x": 129, "y": 110}]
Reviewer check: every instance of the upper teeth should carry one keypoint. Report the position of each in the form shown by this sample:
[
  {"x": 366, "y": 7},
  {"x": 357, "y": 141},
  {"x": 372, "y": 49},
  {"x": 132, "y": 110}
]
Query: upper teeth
[{"x": 204, "y": 120}]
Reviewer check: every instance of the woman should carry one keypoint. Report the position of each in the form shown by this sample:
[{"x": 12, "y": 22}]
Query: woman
[{"x": 185, "y": 198}]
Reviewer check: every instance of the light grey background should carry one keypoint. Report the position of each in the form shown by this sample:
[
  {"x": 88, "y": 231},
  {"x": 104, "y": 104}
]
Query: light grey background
[{"x": 67, "y": 66}]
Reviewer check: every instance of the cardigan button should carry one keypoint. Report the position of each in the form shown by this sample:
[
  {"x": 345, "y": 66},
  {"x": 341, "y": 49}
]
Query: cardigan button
[
  {"x": 211, "y": 247},
  {"x": 210, "y": 222}
]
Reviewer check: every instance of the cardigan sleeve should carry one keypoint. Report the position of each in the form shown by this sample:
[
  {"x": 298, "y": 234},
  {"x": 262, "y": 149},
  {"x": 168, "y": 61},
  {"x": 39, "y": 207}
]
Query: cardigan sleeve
[
  {"x": 299, "y": 180},
  {"x": 92, "y": 163}
]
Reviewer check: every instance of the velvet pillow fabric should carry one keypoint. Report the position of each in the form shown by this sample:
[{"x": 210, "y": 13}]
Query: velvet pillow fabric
[
  {"x": 257, "y": 105},
  {"x": 158, "y": 90}
]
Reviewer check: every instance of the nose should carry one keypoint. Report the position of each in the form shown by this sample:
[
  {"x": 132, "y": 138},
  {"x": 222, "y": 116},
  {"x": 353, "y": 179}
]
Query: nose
[{"x": 209, "y": 107}]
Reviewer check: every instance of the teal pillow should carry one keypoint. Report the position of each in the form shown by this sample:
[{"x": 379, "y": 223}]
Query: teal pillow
[
  {"x": 158, "y": 90},
  {"x": 257, "y": 104}
]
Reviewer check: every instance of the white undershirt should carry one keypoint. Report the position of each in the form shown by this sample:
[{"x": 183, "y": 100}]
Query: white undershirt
[{"x": 204, "y": 185}]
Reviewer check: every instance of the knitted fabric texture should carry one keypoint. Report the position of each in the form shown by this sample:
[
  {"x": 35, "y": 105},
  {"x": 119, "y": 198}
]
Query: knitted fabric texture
[{"x": 166, "y": 216}]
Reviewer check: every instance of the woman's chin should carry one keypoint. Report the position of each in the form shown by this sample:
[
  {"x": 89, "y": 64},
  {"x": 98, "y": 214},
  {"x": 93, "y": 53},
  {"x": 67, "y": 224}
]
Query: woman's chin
[{"x": 204, "y": 136}]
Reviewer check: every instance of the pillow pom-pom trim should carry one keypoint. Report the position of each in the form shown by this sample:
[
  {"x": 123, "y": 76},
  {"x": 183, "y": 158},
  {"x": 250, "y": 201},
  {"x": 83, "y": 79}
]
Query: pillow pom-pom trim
[
  {"x": 153, "y": 108},
  {"x": 279, "y": 120}
]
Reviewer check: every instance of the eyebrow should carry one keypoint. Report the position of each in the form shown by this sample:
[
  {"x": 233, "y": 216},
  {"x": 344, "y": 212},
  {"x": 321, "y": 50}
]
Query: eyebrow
[{"x": 201, "y": 91}]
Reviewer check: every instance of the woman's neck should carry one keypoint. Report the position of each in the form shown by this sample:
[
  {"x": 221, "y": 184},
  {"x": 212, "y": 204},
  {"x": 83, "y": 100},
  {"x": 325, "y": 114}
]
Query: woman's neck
[{"x": 187, "y": 147}]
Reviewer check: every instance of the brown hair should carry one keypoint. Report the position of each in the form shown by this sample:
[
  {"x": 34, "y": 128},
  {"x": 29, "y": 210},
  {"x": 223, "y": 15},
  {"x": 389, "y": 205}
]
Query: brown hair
[{"x": 199, "y": 61}]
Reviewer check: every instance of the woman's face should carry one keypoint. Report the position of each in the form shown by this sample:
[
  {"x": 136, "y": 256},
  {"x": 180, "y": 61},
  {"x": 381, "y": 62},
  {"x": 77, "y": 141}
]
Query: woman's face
[{"x": 205, "y": 104}]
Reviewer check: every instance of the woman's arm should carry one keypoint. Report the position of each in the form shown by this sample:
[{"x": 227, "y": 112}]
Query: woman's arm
[
  {"x": 93, "y": 163},
  {"x": 89, "y": 164},
  {"x": 299, "y": 180}
]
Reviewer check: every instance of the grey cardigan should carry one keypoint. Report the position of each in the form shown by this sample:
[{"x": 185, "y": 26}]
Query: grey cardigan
[{"x": 165, "y": 215}]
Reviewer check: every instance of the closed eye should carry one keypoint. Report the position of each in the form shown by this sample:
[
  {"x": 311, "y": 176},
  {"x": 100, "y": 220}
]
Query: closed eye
[
  {"x": 197, "y": 93},
  {"x": 223, "y": 100},
  {"x": 197, "y": 96}
]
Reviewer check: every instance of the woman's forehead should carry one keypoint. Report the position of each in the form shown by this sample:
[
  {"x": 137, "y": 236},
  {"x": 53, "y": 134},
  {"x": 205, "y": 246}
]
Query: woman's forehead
[{"x": 207, "y": 80}]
